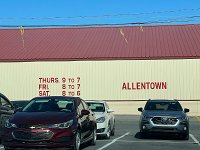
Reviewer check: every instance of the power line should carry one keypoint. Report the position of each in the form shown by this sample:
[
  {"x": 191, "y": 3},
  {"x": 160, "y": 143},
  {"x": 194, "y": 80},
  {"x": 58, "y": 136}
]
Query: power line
[
  {"x": 157, "y": 22},
  {"x": 150, "y": 22},
  {"x": 101, "y": 16}
]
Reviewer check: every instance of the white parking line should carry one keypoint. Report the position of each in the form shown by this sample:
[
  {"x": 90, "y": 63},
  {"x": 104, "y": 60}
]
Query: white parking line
[
  {"x": 113, "y": 141},
  {"x": 161, "y": 141},
  {"x": 151, "y": 141},
  {"x": 194, "y": 139}
]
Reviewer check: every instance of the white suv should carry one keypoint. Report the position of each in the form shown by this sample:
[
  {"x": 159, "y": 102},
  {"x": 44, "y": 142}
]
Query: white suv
[{"x": 104, "y": 118}]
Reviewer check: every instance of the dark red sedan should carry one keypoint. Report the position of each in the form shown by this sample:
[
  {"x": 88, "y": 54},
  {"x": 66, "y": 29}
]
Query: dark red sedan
[{"x": 51, "y": 122}]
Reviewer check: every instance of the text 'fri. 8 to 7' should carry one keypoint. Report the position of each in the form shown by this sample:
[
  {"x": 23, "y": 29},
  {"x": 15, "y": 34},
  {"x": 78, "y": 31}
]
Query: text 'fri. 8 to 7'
[{"x": 70, "y": 86}]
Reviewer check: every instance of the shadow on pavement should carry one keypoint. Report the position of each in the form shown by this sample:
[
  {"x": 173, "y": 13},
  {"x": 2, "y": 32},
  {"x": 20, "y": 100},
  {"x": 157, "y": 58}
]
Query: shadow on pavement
[{"x": 158, "y": 136}]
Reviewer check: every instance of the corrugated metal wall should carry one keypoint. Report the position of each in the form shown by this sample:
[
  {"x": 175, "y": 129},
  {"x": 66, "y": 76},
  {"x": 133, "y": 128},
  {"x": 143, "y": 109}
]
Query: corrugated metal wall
[{"x": 102, "y": 79}]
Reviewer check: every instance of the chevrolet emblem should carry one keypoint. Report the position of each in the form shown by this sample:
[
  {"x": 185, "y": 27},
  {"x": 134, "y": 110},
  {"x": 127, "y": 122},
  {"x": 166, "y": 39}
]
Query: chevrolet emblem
[{"x": 32, "y": 127}]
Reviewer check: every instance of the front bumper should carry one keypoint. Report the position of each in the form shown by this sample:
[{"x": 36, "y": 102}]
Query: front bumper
[
  {"x": 102, "y": 128},
  {"x": 58, "y": 139},
  {"x": 182, "y": 127}
]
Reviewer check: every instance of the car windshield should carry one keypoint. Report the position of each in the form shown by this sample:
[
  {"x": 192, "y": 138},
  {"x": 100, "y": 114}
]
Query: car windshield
[
  {"x": 96, "y": 107},
  {"x": 52, "y": 104},
  {"x": 163, "y": 106}
]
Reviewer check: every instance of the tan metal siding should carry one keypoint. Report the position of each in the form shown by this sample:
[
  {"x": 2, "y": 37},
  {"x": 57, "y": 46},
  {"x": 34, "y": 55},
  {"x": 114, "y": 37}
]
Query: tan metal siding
[{"x": 104, "y": 79}]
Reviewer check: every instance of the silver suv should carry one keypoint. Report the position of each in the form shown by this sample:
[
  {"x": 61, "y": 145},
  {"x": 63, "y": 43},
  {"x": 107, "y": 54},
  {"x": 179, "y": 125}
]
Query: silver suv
[{"x": 164, "y": 116}]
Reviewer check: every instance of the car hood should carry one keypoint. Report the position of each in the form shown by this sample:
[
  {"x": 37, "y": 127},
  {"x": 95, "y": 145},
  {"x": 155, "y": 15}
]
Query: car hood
[
  {"x": 99, "y": 114},
  {"x": 164, "y": 113},
  {"x": 41, "y": 117}
]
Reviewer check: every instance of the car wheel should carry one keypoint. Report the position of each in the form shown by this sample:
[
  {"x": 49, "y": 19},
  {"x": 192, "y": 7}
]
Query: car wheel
[
  {"x": 185, "y": 136},
  {"x": 77, "y": 141},
  {"x": 143, "y": 135},
  {"x": 94, "y": 137},
  {"x": 113, "y": 130},
  {"x": 108, "y": 132}
]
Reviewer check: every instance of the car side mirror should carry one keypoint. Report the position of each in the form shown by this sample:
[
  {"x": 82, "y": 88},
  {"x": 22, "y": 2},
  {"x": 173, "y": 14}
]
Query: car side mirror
[
  {"x": 110, "y": 111},
  {"x": 186, "y": 110},
  {"x": 4, "y": 108},
  {"x": 85, "y": 112},
  {"x": 140, "y": 109},
  {"x": 18, "y": 109}
]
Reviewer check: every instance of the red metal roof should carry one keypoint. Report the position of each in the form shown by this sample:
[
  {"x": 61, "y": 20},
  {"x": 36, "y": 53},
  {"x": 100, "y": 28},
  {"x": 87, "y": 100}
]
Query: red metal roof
[{"x": 100, "y": 43}]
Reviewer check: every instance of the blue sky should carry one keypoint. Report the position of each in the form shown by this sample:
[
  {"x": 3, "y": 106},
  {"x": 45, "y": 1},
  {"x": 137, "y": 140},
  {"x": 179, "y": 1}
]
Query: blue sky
[{"x": 78, "y": 12}]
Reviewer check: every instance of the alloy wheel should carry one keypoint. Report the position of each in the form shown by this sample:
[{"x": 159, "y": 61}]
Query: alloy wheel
[
  {"x": 108, "y": 132},
  {"x": 113, "y": 130},
  {"x": 77, "y": 141},
  {"x": 94, "y": 135}
]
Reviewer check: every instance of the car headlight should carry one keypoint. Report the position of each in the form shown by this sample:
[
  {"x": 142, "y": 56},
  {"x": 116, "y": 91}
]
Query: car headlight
[
  {"x": 61, "y": 125},
  {"x": 101, "y": 120},
  {"x": 184, "y": 118},
  {"x": 8, "y": 124},
  {"x": 146, "y": 117}
]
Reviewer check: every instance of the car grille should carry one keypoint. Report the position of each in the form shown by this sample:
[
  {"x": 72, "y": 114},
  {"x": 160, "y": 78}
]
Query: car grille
[
  {"x": 164, "y": 120},
  {"x": 100, "y": 130},
  {"x": 22, "y": 126},
  {"x": 32, "y": 136}
]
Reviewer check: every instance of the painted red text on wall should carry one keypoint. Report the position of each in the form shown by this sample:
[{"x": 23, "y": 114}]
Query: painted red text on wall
[{"x": 144, "y": 86}]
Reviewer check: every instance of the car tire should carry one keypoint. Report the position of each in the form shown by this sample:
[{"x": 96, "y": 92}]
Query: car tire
[
  {"x": 113, "y": 130},
  {"x": 77, "y": 141},
  {"x": 143, "y": 135},
  {"x": 185, "y": 137},
  {"x": 108, "y": 132},
  {"x": 94, "y": 137}
]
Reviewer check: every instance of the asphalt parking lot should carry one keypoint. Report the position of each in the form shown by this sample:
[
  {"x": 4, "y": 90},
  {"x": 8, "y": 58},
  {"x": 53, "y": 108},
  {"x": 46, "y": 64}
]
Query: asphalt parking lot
[{"x": 127, "y": 138}]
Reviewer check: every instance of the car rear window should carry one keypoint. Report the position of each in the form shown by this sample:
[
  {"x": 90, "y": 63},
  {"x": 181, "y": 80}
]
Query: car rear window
[{"x": 96, "y": 107}]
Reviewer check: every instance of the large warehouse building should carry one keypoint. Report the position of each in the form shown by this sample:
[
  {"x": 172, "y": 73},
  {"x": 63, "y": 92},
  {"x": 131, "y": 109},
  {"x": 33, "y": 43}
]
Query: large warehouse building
[{"x": 124, "y": 65}]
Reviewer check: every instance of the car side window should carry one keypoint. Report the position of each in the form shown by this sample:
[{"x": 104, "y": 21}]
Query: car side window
[
  {"x": 4, "y": 102},
  {"x": 80, "y": 107},
  {"x": 85, "y": 105},
  {"x": 107, "y": 107}
]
